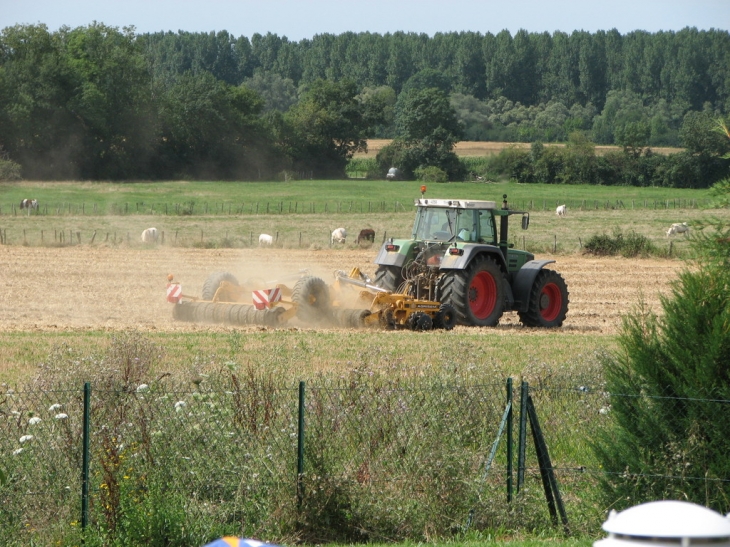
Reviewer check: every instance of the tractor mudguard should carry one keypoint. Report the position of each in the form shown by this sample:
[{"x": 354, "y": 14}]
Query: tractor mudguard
[
  {"x": 395, "y": 258},
  {"x": 461, "y": 262},
  {"x": 524, "y": 280}
]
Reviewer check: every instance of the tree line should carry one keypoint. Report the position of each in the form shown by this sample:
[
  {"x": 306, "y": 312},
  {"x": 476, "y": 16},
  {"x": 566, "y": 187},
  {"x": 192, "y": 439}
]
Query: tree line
[{"x": 98, "y": 102}]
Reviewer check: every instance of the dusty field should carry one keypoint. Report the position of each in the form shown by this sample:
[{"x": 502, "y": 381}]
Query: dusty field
[
  {"x": 105, "y": 288},
  {"x": 473, "y": 148}
]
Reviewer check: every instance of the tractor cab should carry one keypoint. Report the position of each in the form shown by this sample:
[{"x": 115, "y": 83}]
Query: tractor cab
[{"x": 449, "y": 221}]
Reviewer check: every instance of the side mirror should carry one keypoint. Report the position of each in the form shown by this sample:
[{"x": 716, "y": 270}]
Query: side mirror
[{"x": 525, "y": 221}]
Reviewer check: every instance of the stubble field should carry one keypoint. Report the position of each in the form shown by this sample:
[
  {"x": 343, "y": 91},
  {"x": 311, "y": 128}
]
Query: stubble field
[{"x": 79, "y": 296}]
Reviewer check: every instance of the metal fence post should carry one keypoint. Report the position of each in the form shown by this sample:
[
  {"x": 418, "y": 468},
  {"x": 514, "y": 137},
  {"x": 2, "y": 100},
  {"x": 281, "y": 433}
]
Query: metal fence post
[
  {"x": 509, "y": 440},
  {"x": 300, "y": 447},
  {"x": 85, "y": 458},
  {"x": 522, "y": 440}
]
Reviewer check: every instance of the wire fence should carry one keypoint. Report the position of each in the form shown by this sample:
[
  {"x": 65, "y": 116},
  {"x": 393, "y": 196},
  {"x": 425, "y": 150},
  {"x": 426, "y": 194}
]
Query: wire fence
[
  {"x": 335, "y": 461},
  {"x": 229, "y": 208}
]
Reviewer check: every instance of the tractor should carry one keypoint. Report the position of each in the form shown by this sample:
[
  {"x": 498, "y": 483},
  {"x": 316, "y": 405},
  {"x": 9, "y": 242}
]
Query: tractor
[{"x": 459, "y": 255}]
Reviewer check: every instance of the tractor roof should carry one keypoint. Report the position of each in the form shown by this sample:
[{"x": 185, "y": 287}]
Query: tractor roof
[{"x": 456, "y": 203}]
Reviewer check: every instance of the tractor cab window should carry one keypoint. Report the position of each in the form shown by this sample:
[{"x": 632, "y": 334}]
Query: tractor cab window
[
  {"x": 486, "y": 227},
  {"x": 433, "y": 223},
  {"x": 466, "y": 230}
]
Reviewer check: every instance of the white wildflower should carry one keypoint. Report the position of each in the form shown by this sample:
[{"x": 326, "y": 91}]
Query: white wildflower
[
  {"x": 17, "y": 451},
  {"x": 34, "y": 420},
  {"x": 54, "y": 407},
  {"x": 180, "y": 405},
  {"x": 61, "y": 416},
  {"x": 15, "y": 413},
  {"x": 25, "y": 438},
  {"x": 142, "y": 388}
]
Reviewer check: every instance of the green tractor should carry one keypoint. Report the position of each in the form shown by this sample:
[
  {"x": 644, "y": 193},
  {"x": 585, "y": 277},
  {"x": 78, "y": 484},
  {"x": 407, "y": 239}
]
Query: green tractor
[{"x": 459, "y": 255}]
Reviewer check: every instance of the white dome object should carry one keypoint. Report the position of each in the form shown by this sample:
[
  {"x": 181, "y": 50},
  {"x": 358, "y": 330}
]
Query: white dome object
[{"x": 672, "y": 521}]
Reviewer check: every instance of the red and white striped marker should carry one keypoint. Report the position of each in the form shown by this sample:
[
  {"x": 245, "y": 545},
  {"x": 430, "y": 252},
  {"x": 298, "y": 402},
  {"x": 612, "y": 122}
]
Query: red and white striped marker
[
  {"x": 264, "y": 298},
  {"x": 174, "y": 292}
]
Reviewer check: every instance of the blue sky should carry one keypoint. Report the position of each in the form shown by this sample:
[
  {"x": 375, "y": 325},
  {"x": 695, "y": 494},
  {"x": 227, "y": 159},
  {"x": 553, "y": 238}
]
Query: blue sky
[{"x": 298, "y": 19}]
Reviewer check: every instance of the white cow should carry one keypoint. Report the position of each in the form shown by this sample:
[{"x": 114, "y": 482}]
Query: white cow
[
  {"x": 678, "y": 228},
  {"x": 266, "y": 239},
  {"x": 561, "y": 210},
  {"x": 338, "y": 235},
  {"x": 149, "y": 235}
]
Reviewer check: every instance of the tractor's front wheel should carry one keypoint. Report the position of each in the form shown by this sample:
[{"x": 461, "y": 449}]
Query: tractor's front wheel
[
  {"x": 389, "y": 277},
  {"x": 476, "y": 293},
  {"x": 548, "y": 304}
]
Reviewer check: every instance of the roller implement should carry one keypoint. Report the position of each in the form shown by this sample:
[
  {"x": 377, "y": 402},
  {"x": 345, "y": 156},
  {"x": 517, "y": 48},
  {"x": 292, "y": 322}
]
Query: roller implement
[{"x": 352, "y": 301}]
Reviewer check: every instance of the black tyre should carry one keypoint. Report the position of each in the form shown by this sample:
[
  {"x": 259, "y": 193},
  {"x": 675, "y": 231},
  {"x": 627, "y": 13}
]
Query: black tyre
[
  {"x": 312, "y": 297},
  {"x": 214, "y": 281},
  {"x": 476, "y": 293},
  {"x": 548, "y": 303},
  {"x": 445, "y": 318},
  {"x": 420, "y": 321},
  {"x": 389, "y": 277}
]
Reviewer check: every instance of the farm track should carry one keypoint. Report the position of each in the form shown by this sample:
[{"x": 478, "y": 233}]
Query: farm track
[{"x": 104, "y": 288}]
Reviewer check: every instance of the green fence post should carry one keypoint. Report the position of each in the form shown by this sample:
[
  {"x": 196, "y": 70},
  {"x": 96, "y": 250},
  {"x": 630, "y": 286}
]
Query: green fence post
[
  {"x": 522, "y": 440},
  {"x": 300, "y": 447},
  {"x": 509, "y": 440},
  {"x": 85, "y": 458}
]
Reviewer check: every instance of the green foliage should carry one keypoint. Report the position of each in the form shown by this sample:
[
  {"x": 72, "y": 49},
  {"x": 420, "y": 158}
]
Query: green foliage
[
  {"x": 665, "y": 364},
  {"x": 629, "y": 245},
  {"x": 278, "y": 93},
  {"x": 327, "y": 127},
  {"x": 9, "y": 170},
  {"x": 669, "y": 370},
  {"x": 431, "y": 174},
  {"x": 699, "y": 136},
  {"x": 427, "y": 130}
]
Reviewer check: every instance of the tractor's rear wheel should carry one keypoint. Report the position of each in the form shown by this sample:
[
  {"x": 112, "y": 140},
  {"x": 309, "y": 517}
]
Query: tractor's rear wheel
[
  {"x": 214, "y": 281},
  {"x": 389, "y": 277},
  {"x": 477, "y": 293},
  {"x": 312, "y": 297},
  {"x": 548, "y": 303}
]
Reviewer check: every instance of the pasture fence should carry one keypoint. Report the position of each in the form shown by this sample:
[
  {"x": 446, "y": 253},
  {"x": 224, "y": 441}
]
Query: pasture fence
[
  {"x": 193, "y": 208},
  {"x": 199, "y": 238},
  {"x": 346, "y": 460}
]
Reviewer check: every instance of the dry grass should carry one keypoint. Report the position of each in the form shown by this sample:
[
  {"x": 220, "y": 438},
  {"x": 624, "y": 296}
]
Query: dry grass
[{"x": 484, "y": 148}]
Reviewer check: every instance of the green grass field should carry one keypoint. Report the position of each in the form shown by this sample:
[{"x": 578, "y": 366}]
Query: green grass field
[{"x": 105, "y": 197}]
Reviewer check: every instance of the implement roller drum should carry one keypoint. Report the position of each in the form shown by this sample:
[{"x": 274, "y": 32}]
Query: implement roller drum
[
  {"x": 350, "y": 318},
  {"x": 183, "y": 311}
]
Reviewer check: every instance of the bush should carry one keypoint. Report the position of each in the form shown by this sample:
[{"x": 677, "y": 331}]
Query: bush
[
  {"x": 628, "y": 246},
  {"x": 9, "y": 170},
  {"x": 431, "y": 174},
  {"x": 666, "y": 439}
]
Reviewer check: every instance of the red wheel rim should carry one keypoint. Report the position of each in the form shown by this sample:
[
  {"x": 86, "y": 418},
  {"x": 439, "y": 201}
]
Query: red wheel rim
[
  {"x": 551, "y": 301},
  {"x": 482, "y": 295}
]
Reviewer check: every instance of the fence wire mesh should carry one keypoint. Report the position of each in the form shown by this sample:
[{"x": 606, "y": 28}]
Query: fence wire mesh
[{"x": 381, "y": 460}]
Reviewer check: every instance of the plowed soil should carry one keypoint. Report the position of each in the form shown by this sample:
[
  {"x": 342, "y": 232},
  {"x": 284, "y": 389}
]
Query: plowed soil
[{"x": 112, "y": 288}]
